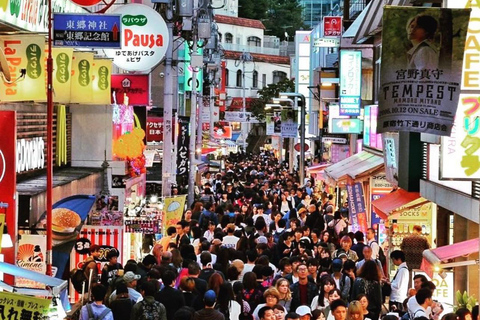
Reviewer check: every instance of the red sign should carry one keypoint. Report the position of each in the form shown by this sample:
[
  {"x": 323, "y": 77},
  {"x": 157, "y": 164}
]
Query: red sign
[
  {"x": 332, "y": 26},
  {"x": 237, "y": 103},
  {"x": 297, "y": 147},
  {"x": 154, "y": 129},
  {"x": 136, "y": 87},
  {"x": 221, "y": 130},
  {"x": 8, "y": 142},
  {"x": 86, "y": 3}
]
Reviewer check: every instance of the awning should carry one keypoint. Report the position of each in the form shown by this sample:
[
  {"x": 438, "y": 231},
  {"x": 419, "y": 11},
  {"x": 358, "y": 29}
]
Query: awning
[
  {"x": 397, "y": 201},
  {"x": 317, "y": 167},
  {"x": 372, "y": 22},
  {"x": 355, "y": 167},
  {"x": 435, "y": 257},
  {"x": 235, "y": 136}
]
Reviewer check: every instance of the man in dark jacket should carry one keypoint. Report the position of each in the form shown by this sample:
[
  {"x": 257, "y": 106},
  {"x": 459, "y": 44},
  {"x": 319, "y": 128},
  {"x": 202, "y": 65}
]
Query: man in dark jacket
[
  {"x": 170, "y": 297},
  {"x": 358, "y": 247},
  {"x": 303, "y": 291},
  {"x": 148, "y": 306},
  {"x": 209, "y": 313}
]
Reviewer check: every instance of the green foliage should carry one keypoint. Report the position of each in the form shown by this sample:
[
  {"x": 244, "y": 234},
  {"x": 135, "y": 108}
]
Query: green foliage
[
  {"x": 267, "y": 94},
  {"x": 253, "y": 9},
  {"x": 464, "y": 301}
]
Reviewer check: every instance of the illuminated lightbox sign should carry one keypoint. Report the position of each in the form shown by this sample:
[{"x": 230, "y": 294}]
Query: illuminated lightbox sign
[
  {"x": 350, "y": 82},
  {"x": 347, "y": 126}
]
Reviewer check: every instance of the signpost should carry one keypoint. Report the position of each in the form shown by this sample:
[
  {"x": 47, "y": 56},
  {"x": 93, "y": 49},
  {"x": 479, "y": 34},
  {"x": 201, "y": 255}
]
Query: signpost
[{"x": 87, "y": 30}]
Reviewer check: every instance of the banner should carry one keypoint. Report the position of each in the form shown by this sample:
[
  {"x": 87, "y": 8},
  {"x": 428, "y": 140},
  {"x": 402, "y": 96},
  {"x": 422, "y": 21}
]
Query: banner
[
  {"x": 102, "y": 81},
  {"x": 31, "y": 256},
  {"x": 2, "y": 226},
  {"x": 24, "y": 53},
  {"x": 289, "y": 123},
  {"x": 173, "y": 208},
  {"x": 421, "y": 68},
  {"x": 356, "y": 207},
  {"x": 81, "y": 89},
  {"x": 183, "y": 145},
  {"x": 269, "y": 124},
  {"x": 350, "y": 82},
  {"x": 19, "y": 306},
  {"x": 62, "y": 70}
]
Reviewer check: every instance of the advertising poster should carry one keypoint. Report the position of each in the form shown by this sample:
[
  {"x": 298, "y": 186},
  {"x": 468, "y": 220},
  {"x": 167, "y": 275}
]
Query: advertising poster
[
  {"x": 20, "y": 306},
  {"x": 350, "y": 82},
  {"x": 81, "y": 89},
  {"x": 31, "y": 256},
  {"x": 173, "y": 208},
  {"x": 24, "y": 53},
  {"x": 269, "y": 124},
  {"x": 183, "y": 145},
  {"x": 421, "y": 68},
  {"x": 289, "y": 123},
  {"x": 102, "y": 81},
  {"x": 356, "y": 207},
  {"x": 62, "y": 69}
]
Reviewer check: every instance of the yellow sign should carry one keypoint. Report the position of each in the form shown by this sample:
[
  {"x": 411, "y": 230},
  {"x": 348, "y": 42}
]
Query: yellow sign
[
  {"x": 62, "y": 74},
  {"x": 2, "y": 225},
  {"x": 81, "y": 89},
  {"x": 24, "y": 53},
  {"x": 173, "y": 209},
  {"x": 102, "y": 75},
  {"x": 17, "y": 306}
]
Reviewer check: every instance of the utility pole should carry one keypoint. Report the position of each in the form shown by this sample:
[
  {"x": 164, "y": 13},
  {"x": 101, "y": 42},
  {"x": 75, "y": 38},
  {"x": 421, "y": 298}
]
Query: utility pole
[
  {"x": 245, "y": 57},
  {"x": 192, "y": 147}
]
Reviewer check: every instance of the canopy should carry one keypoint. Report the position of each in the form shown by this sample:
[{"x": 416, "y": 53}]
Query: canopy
[
  {"x": 356, "y": 166},
  {"x": 397, "y": 201},
  {"x": 438, "y": 255}
]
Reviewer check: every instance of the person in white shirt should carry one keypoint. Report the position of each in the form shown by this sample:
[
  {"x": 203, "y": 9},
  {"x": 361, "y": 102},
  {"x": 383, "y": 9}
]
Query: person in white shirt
[
  {"x": 372, "y": 243},
  {"x": 424, "y": 300},
  {"x": 230, "y": 241},
  {"x": 413, "y": 305},
  {"x": 399, "y": 282}
]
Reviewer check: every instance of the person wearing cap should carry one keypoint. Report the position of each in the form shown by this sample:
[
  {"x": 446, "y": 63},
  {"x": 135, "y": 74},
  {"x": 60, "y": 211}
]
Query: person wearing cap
[
  {"x": 342, "y": 281},
  {"x": 301, "y": 287},
  {"x": 209, "y": 312},
  {"x": 271, "y": 296},
  {"x": 111, "y": 269},
  {"x": 304, "y": 312},
  {"x": 170, "y": 297},
  {"x": 130, "y": 280}
]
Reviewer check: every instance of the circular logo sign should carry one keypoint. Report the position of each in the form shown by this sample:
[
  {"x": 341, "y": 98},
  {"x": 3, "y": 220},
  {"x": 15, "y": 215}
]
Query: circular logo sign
[
  {"x": 144, "y": 38},
  {"x": 86, "y": 3},
  {"x": 297, "y": 147},
  {"x": 82, "y": 246}
]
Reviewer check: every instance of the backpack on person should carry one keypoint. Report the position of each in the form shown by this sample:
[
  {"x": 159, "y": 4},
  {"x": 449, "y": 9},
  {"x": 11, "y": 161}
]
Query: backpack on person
[
  {"x": 206, "y": 221},
  {"x": 78, "y": 277},
  {"x": 150, "y": 311},
  {"x": 102, "y": 315}
]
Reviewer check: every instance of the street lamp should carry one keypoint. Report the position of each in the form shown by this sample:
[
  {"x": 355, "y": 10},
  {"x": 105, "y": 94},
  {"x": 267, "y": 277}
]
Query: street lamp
[{"x": 301, "y": 166}]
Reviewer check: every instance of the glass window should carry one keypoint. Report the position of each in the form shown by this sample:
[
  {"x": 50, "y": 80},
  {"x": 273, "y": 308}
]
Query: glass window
[
  {"x": 239, "y": 78},
  {"x": 254, "y": 41},
  {"x": 255, "y": 79},
  {"x": 226, "y": 77},
  {"x": 278, "y": 76},
  {"x": 228, "y": 38}
]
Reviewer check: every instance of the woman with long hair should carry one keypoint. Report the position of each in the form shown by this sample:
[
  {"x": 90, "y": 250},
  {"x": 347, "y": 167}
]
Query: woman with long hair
[
  {"x": 368, "y": 283},
  {"x": 324, "y": 257},
  {"x": 326, "y": 285},
  {"x": 215, "y": 282},
  {"x": 197, "y": 210},
  {"x": 285, "y": 295},
  {"x": 226, "y": 303},
  {"x": 177, "y": 259},
  {"x": 252, "y": 291}
]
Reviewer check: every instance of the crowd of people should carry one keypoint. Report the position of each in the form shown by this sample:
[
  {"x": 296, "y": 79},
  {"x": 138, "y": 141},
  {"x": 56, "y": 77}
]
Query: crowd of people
[{"x": 259, "y": 244}]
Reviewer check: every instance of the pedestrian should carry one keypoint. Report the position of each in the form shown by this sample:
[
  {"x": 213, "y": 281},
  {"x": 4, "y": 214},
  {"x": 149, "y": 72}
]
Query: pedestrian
[
  {"x": 148, "y": 308},
  {"x": 413, "y": 246},
  {"x": 122, "y": 305},
  {"x": 111, "y": 269},
  {"x": 130, "y": 280},
  {"x": 170, "y": 297},
  {"x": 399, "y": 283},
  {"x": 96, "y": 309},
  {"x": 209, "y": 312}
]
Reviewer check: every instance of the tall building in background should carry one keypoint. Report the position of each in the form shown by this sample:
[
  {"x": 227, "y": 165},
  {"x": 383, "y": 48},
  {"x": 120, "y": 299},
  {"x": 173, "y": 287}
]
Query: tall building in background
[{"x": 315, "y": 10}]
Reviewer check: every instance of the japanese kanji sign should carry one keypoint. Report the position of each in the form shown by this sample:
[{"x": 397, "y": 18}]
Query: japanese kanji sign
[
  {"x": 421, "y": 70},
  {"x": 87, "y": 30},
  {"x": 332, "y": 26},
  {"x": 183, "y": 146},
  {"x": 356, "y": 207},
  {"x": 21, "y": 307}
]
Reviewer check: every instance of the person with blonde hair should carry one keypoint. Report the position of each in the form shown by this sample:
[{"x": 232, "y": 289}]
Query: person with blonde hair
[
  {"x": 285, "y": 295},
  {"x": 355, "y": 310},
  {"x": 272, "y": 297}
]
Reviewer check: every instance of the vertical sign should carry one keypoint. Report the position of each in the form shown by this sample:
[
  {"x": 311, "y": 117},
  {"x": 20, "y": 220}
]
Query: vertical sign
[
  {"x": 81, "y": 90},
  {"x": 31, "y": 256},
  {"x": 154, "y": 129},
  {"x": 8, "y": 132},
  {"x": 183, "y": 146},
  {"x": 332, "y": 26},
  {"x": 350, "y": 82},
  {"x": 289, "y": 123},
  {"x": 459, "y": 158},
  {"x": 356, "y": 206},
  {"x": 102, "y": 81},
  {"x": 62, "y": 74},
  {"x": 269, "y": 124}
]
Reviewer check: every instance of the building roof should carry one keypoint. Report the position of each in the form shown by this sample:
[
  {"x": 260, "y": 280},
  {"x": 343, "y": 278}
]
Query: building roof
[
  {"x": 257, "y": 57},
  {"x": 244, "y": 22}
]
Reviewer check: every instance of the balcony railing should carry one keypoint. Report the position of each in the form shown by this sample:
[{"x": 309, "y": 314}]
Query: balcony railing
[{"x": 251, "y": 49}]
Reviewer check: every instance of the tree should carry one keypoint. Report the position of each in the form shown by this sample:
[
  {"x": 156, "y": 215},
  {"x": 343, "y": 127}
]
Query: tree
[
  {"x": 253, "y": 9},
  {"x": 267, "y": 94}
]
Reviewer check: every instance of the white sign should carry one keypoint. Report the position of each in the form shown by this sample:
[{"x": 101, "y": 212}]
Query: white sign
[
  {"x": 238, "y": 116},
  {"x": 31, "y": 15},
  {"x": 334, "y": 140},
  {"x": 206, "y": 115},
  {"x": 389, "y": 151},
  {"x": 145, "y": 38},
  {"x": 444, "y": 292},
  {"x": 460, "y": 153},
  {"x": 326, "y": 42},
  {"x": 30, "y": 154}
]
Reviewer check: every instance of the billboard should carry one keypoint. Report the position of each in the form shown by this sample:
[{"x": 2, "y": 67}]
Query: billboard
[
  {"x": 332, "y": 26},
  {"x": 350, "y": 82}
]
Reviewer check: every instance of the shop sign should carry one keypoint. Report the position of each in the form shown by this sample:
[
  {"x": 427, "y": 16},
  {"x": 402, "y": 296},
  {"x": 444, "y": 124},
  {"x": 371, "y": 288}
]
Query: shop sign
[
  {"x": 101, "y": 85},
  {"x": 145, "y": 38},
  {"x": 31, "y": 256},
  {"x": 332, "y": 26},
  {"x": 421, "y": 93},
  {"x": 24, "y": 52},
  {"x": 81, "y": 88},
  {"x": 326, "y": 42},
  {"x": 25, "y": 307},
  {"x": 390, "y": 156},
  {"x": 356, "y": 207},
  {"x": 32, "y": 15},
  {"x": 334, "y": 140},
  {"x": 238, "y": 116},
  {"x": 8, "y": 163},
  {"x": 350, "y": 82},
  {"x": 273, "y": 123},
  {"x": 444, "y": 291},
  {"x": 459, "y": 152},
  {"x": 136, "y": 87},
  {"x": 423, "y": 212},
  {"x": 346, "y": 126},
  {"x": 30, "y": 154},
  {"x": 222, "y": 131},
  {"x": 62, "y": 74},
  {"x": 86, "y": 30},
  {"x": 154, "y": 129},
  {"x": 183, "y": 145},
  {"x": 142, "y": 226},
  {"x": 371, "y": 138}
]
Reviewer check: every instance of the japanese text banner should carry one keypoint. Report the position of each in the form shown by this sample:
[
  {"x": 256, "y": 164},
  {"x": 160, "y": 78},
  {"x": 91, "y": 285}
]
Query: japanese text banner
[
  {"x": 62, "y": 70},
  {"x": 421, "y": 68},
  {"x": 82, "y": 78},
  {"x": 18, "y": 306}
]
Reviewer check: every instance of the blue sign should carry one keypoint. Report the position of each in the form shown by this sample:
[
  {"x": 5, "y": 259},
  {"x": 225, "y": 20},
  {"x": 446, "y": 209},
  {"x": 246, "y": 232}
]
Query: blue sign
[
  {"x": 87, "y": 30},
  {"x": 350, "y": 106}
]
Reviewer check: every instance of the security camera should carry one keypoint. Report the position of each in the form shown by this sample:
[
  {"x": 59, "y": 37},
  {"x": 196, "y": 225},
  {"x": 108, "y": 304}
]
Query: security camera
[{"x": 162, "y": 75}]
